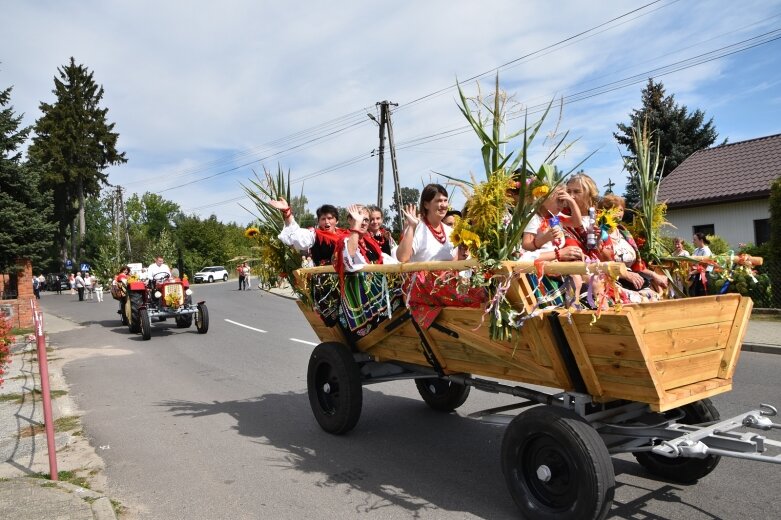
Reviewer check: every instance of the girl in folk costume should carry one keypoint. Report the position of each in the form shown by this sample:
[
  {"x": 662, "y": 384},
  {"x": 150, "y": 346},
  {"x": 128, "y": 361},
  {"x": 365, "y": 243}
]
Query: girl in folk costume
[
  {"x": 321, "y": 242},
  {"x": 380, "y": 235},
  {"x": 426, "y": 238},
  {"x": 616, "y": 244},
  {"x": 365, "y": 296}
]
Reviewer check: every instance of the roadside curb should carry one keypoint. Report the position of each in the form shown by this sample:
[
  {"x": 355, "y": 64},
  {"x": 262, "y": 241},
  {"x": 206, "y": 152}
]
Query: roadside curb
[
  {"x": 100, "y": 504},
  {"x": 761, "y": 348}
]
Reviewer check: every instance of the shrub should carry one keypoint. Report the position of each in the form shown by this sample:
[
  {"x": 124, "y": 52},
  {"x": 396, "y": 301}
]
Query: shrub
[{"x": 6, "y": 338}]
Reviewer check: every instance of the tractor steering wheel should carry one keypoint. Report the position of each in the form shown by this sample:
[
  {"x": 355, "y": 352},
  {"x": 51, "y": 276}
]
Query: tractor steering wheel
[{"x": 161, "y": 277}]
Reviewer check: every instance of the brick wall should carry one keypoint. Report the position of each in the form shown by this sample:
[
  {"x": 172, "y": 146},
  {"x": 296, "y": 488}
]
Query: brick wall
[{"x": 19, "y": 309}]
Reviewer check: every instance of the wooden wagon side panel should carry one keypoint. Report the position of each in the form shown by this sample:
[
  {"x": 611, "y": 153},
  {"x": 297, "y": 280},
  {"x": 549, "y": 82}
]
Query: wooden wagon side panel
[{"x": 324, "y": 333}]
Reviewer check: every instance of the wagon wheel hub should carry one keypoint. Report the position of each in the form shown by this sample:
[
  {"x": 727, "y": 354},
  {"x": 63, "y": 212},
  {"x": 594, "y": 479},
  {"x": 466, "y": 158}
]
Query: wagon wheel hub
[
  {"x": 326, "y": 388},
  {"x": 544, "y": 473}
]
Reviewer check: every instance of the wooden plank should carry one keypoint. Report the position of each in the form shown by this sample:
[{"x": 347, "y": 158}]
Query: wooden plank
[
  {"x": 521, "y": 295},
  {"x": 672, "y": 343},
  {"x": 607, "y": 323},
  {"x": 735, "y": 340},
  {"x": 612, "y": 346},
  {"x": 383, "y": 330},
  {"x": 323, "y": 333},
  {"x": 623, "y": 371},
  {"x": 506, "y": 372},
  {"x": 687, "y": 312},
  {"x": 617, "y": 390},
  {"x": 680, "y": 371},
  {"x": 382, "y": 353},
  {"x": 540, "y": 329},
  {"x": 581, "y": 357},
  {"x": 690, "y": 393}
]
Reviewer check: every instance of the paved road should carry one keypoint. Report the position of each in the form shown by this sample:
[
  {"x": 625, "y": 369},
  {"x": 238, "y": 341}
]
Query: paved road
[{"x": 219, "y": 426}]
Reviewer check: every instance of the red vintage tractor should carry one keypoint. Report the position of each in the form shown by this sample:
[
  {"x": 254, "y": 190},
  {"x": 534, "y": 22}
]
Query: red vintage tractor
[{"x": 162, "y": 297}]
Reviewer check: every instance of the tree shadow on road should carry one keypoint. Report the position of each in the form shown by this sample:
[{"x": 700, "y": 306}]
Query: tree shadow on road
[{"x": 402, "y": 454}]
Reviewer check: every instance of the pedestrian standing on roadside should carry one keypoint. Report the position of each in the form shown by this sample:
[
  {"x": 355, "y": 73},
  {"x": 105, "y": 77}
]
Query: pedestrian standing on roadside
[
  {"x": 72, "y": 283},
  {"x": 98, "y": 288},
  {"x": 58, "y": 283},
  {"x": 240, "y": 272},
  {"x": 88, "y": 286},
  {"x": 42, "y": 283},
  {"x": 245, "y": 270},
  {"x": 78, "y": 283},
  {"x": 36, "y": 288}
]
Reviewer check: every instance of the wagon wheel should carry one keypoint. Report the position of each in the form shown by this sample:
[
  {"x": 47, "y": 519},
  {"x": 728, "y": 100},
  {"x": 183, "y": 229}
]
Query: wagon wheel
[
  {"x": 442, "y": 395},
  {"x": 202, "y": 319},
  {"x": 684, "y": 470},
  {"x": 333, "y": 381},
  {"x": 556, "y": 466},
  {"x": 146, "y": 324},
  {"x": 136, "y": 301}
]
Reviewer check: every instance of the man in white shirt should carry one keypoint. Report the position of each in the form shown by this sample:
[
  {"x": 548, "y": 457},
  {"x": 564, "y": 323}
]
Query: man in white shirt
[{"x": 159, "y": 266}]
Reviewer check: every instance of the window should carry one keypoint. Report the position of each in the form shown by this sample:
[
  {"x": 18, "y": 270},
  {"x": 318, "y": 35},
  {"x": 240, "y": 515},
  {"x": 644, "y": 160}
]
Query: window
[
  {"x": 708, "y": 229},
  {"x": 761, "y": 231}
]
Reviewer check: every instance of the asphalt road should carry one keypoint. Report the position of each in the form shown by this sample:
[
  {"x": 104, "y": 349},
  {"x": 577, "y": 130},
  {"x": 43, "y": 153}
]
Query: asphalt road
[{"x": 219, "y": 426}]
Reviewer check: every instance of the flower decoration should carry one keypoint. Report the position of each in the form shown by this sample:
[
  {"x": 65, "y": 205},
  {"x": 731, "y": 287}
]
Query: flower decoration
[
  {"x": 540, "y": 191},
  {"x": 251, "y": 232},
  {"x": 607, "y": 221},
  {"x": 172, "y": 300}
]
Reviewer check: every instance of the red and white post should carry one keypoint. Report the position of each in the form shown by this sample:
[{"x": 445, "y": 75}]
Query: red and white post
[{"x": 43, "y": 366}]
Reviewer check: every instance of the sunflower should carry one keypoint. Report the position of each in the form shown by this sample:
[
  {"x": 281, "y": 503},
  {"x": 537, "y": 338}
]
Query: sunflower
[
  {"x": 540, "y": 191},
  {"x": 251, "y": 232}
]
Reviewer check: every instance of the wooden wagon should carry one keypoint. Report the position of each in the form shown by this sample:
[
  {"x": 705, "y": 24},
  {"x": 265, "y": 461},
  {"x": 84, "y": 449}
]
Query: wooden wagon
[{"x": 629, "y": 381}]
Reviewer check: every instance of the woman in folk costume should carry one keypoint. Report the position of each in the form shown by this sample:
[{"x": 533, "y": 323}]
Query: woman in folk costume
[
  {"x": 427, "y": 238},
  {"x": 321, "y": 243},
  {"x": 378, "y": 232},
  {"x": 365, "y": 296}
]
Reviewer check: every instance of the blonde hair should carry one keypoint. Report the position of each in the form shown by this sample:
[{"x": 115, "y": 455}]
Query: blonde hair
[
  {"x": 588, "y": 185},
  {"x": 611, "y": 201}
]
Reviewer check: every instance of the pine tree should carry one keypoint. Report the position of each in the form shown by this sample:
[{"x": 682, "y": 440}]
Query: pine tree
[
  {"x": 25, "y": 210},
  {"x": 73, "y": 146},
  {"x": 680, "y": 133}
]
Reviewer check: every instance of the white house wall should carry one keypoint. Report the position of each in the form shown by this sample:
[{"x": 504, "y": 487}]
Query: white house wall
[{"x": 733, "y": 221}]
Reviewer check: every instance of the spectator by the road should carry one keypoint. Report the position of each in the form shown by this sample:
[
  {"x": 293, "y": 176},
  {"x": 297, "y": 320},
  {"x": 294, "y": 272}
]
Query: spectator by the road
[
  {"x": 88, "y": 285},
  {"x": 245, "y": 270},
  {"x": 42, "y": 283},
  {"x": 78, "y": 283},
  {"x": 240, "y": 272},
  {"x": 679, "y": 249},
  {"x": 72, "y": 283},
  {"x": 699, "y": 273},
  {"x": 36, "y": 287},
  {"x": 97, "y": 286}
]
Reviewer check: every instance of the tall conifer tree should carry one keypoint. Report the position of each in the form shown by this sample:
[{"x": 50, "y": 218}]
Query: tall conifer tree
[
  {"x": 25, "y": 210},
  {"x": 680, "y": 133},
  {"x": 73, "y": 146}
]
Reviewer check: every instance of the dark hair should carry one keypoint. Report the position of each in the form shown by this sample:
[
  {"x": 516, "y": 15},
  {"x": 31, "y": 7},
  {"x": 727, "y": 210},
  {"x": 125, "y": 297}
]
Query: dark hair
[
  {"x": 124, "y": 268},
  {"x": 428, "y": 194},
  {"x": 702, "y": 236},
  {"x": 327, "y": 209},
  {"x": 453, "y": 212},
  {"x": 611, "y": 201},
  {"x": 372, "y": 208}
]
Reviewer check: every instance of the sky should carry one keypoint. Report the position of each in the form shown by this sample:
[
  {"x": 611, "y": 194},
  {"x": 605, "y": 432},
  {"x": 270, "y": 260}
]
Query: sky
[{"x": 206, "y": 95}]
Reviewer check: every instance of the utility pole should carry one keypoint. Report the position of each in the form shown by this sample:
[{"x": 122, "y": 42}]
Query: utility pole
[
  {"x": 385, "y": 123},
  {"x": 120, "y": 220}
]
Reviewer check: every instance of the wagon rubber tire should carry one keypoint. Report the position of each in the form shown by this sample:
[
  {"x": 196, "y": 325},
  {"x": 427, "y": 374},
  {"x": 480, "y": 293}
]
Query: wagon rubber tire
[
  {"x": 333, "y": 382},
  {"x": 684, "y": 470},
  {"x": 202, "y": 319},
  {"x": 136, "y": 301},
  {"x": 146, "y": 324},
  {"x": 442, "y": 395},
  {"x": 556, "y": 466}
]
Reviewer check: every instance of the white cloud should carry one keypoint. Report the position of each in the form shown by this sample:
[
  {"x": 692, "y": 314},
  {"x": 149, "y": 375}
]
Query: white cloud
[{"x": 201, "y": 86}]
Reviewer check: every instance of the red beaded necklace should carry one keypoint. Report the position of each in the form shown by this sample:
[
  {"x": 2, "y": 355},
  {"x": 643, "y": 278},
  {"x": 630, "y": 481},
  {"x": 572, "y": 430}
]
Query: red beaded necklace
[{"x": 439, "y": 234}]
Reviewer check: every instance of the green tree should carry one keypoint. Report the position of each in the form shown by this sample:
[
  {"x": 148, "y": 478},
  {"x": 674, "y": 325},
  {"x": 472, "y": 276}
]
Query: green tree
[
  {"x": 680, "y": 132},
  {"x": 408, "y": 196},
  {"x": 304, "y": 217},
  {"x": 25, "y": 211},
  {"x": 73, "y": 146}
]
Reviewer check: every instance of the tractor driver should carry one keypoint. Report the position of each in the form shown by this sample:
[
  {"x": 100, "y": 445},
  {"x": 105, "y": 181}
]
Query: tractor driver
[{"x": 159, "y": 266}]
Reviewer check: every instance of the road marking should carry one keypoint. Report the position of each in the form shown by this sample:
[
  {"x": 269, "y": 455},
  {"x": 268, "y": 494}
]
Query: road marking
[
  {"x": 304, "y": 342},
  {"x": 245, "y": 326}
]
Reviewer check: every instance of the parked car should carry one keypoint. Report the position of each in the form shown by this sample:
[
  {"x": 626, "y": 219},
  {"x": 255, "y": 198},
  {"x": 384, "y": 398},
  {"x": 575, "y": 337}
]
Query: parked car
[
  {"x": 53, "y": 279},
  {"x": 209, "y": 274}
]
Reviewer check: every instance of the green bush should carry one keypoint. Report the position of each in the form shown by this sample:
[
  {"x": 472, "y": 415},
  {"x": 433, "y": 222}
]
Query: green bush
[
  {"x": 773, "y": 257},
  {"x": 718, "y": 246}
]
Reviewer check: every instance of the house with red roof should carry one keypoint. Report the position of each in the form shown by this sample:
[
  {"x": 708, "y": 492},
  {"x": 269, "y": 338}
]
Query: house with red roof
[{"x": 724, "y": 190}]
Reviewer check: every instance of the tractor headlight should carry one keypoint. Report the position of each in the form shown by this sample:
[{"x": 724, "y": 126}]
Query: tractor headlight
[
  {"x": 188, "y": 292},
  {"x": 158, "y": 294}
]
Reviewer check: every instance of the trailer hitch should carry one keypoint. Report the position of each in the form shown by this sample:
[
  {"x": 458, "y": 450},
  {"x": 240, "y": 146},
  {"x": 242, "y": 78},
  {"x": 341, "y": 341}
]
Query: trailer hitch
[{"x": 761, "y": 421}]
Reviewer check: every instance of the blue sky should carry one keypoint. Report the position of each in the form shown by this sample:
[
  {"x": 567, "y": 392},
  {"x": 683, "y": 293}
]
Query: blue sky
[{"x": 203, "y": 93}]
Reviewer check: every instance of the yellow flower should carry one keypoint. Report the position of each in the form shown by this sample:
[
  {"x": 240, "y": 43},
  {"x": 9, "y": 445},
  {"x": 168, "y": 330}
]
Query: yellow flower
[
  {"x": 469, "y": 239},
  {"x": 607, "y": 218},
  {"x": 540, "y": 191},
  {"x": 251, "y": 232}
]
